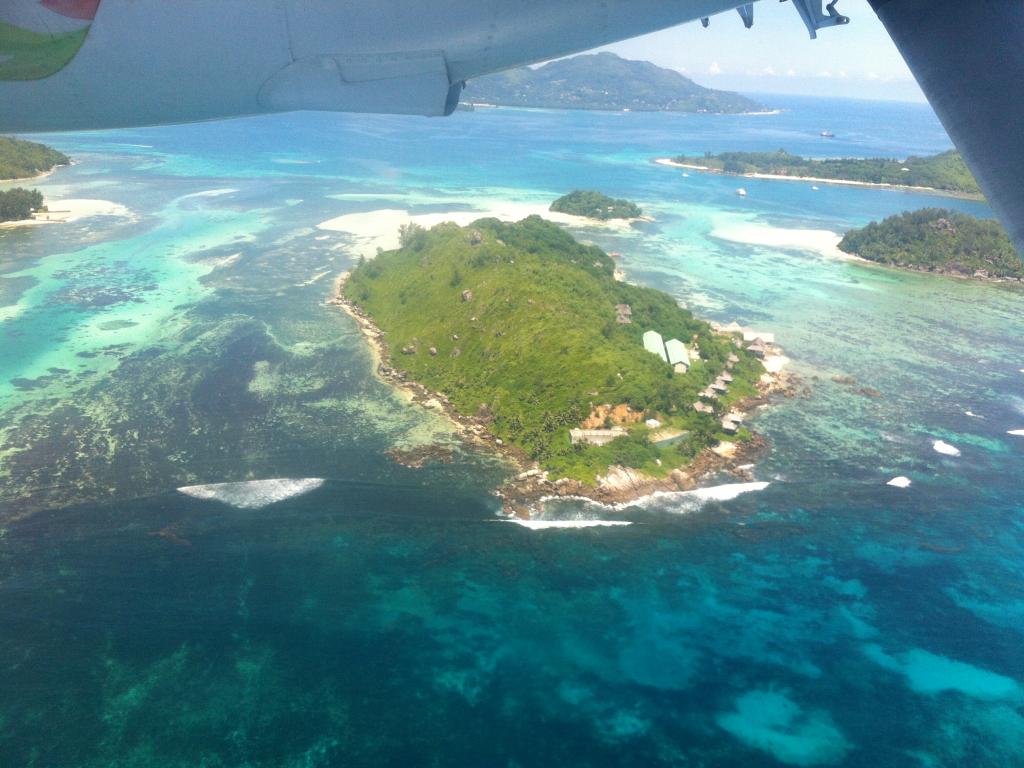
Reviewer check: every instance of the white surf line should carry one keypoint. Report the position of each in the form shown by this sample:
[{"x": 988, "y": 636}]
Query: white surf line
[
  {"x": 540, "y": 525},
  {"x": 725, "y": 492},
  {"x": 253, "y": 494}
]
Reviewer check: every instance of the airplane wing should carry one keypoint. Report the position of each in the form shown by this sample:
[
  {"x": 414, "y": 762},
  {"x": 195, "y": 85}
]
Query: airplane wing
[
  {"x": 80, "y": 64},
  {"x": 968, "y": 58}
]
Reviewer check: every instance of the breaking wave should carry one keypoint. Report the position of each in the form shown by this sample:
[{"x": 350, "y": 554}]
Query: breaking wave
[
  {"x": 539, "y": 525},
  {"x": 253, "y": 494}
]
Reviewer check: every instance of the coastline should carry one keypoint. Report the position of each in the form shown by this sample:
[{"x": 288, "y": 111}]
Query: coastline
[
  {"x": 667, "y": 161},
  {"x": 66, "y": 211},
  {"x": 36, "y": 176},
  {"x": 379, "y": 228},
  {"x": 471, "y": 429},
  {"x": 524, "y": 494},
  {"x": 943, "y": 272}
]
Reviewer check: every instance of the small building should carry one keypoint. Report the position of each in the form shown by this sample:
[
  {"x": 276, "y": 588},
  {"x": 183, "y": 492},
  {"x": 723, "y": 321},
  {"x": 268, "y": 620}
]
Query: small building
[
  {"x": 726, "y": 377},
  {"x": 680, "y": 368},
  {"x": 654, "y": 344},
  {"x": 729, "y": 426},
  {"x": 623, "y": 314},
  {"x": 677, "y": 352},
  {"x": 749, "y": 334},
  {"x": 708, "y": 394},
  {"x": 757, "y": 349},
  {"x": 735, "y": 416},
  {"x": 595, "y": 436},
  {"x": 653, "y": 423},
  {"x": 700, "y": 407},
  {"x": 732, "y": 359},
  {"x": 719, "y": 386}
]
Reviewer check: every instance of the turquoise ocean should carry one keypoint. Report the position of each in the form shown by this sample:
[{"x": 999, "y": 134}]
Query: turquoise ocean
[{"x": 379, "y": 615}]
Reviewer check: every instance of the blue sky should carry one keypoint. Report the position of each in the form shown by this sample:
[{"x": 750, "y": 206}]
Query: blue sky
[{"x": 777, "y": 55}]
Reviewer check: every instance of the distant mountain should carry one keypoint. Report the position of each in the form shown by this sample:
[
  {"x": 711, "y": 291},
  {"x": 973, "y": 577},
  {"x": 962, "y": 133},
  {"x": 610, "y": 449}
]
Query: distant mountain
[{"x": 604, "y": 81}]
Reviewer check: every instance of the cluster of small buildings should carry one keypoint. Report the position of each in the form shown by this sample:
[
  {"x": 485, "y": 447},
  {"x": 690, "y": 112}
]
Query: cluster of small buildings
[
  {"x": 731, "y": 422},
  {"x": 676, "y": 354},
  {"x": 756, "y": 342},
  {"x": 673, "y": 351}
]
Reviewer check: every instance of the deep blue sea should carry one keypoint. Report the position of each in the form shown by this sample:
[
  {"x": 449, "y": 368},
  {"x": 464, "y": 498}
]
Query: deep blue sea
[{"x": 386, "y": 616}]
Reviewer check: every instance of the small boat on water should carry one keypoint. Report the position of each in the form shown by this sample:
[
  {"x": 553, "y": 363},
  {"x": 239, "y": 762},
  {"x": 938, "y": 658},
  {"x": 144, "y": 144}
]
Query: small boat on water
[
  {"x": 686, "y": 175},
  {"x": 814, "y": 187},
  {"x": 741, "y": 192},
  {"x": 827, "y": 135}
]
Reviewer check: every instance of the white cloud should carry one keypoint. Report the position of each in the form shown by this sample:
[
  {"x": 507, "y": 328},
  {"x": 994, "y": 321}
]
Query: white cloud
[
  {"x": 873, "y": 76},
  {"x": 824, "y": 73},
  {"x": 714, "y": 69},
  {"x": 790, "y": 72},
  {"x": 770, "y": 71}
]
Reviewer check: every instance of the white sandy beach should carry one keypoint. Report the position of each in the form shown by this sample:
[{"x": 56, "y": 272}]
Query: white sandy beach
[
  {"x": 672, "y": 163},
  {"x": 64, "y": 211},
  {"x": 821, "y": 241},
  {"x": 379, "y": 229}
]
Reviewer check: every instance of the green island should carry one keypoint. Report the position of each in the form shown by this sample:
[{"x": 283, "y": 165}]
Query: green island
[
  {"x": 595, "y": 205},
  {"x": 944, "y": 172},
  {"x": 19, "y": 204},
  {"x": 525, "y": 331},
  {"x": 21, "y": 159},
  {"x": 938, "y": 240},
  {"x": 604, "y": 81}
]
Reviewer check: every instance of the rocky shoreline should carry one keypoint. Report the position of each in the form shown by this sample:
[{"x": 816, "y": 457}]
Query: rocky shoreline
[
  {"x": 525, "y": 492},
  {"x": 979, "y": 275}
]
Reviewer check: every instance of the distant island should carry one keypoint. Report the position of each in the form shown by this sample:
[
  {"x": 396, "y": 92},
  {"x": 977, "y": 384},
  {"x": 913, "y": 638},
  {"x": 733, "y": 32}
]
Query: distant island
[
  {"x": 526, "y": 338},
  {"x": 938, "y": 240},
  {"x": 24, "y": 159},
  {"x": 595, "y": 205},
  {"x": 607, "y": 82},
  {"x": 944, "y": 172}
]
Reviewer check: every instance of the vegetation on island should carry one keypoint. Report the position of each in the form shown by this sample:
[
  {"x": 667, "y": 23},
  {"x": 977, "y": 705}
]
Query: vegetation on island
[
  {"x": 939, "y": 240},
  {"x": 595, "y": 205},
  {"x": 18, "y": 204},
  {"x": 945, "y": 171},
  {"x": 604, "y": 81},
  {"x": 23, "y": 159},
  {"x": 518, "y": 324}
]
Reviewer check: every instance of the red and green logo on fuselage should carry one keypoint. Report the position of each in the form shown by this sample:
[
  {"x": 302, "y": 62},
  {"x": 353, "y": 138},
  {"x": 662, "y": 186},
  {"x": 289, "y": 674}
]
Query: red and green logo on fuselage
[{"x": 39, "y": 37}]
